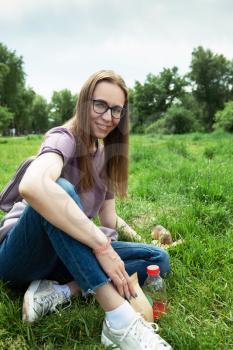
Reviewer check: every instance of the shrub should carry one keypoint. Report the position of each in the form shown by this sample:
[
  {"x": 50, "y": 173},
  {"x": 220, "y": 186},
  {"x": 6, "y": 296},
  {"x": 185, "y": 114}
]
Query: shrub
[
  {"x": 224, "y": 118},
  {"x": 177, "y": 120},
  {"x": 209, "y": 152},
  {"x": 157, "y": 127}
]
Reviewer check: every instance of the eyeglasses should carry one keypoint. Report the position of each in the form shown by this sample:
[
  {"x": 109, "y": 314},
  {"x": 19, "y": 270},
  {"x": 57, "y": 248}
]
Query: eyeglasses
[{"x": 101, "y": 107}]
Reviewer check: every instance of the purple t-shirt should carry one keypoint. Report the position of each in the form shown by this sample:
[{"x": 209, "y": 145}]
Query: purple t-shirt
[{"x": 61, "y": 141}]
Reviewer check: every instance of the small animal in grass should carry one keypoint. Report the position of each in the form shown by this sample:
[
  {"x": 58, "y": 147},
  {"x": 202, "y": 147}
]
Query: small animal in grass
[
  {"x": 163, "y": 238},
  {"x": 161, "y": 234}
]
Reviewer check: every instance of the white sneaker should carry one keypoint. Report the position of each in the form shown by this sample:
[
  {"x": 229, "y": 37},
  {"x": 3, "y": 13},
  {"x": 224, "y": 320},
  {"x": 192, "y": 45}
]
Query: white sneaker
[
  {"x": 139, "y": 335},
  {"x": 41, "y": 298}
]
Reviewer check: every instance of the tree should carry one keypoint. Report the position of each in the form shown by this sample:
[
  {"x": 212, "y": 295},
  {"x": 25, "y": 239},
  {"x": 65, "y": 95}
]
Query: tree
[
  {"x": 62, "y": 106},
  {"x": 179, "y": 120},
  {"x": 212, "y": 78},
  {"x": 39, "y": 114},
  {"x": 132, "y": 114},
  {"x": 156, "y": 95},
  {"x": 189, "y": 102},
  {"x": 22, "y": 118},
  {"x": 5, "y": 118},
  {"x": 4, "y": 70},
  {"x": 224, "y": 118},
  {"x": 12, "y": 78},
  {"x": 13, "y": 94}
]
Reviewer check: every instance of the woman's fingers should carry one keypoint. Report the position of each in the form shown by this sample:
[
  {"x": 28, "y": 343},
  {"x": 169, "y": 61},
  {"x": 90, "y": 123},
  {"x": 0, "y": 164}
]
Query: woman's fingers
[
  {"x": 115, "y": 269},
  {"x": 132, "y": 290},
  {"x": 119, "y": 285},
  {"x": 125, "y": 281},
  {"x": 126, "y": 289},
  {"x": 124, "y": 286}
]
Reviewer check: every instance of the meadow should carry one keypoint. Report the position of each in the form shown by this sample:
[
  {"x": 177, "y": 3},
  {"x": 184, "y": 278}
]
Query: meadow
[{"x": 184, "y": 183}]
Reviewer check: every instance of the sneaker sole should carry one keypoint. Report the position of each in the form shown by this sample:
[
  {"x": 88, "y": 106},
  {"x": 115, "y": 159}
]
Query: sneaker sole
[
  {"x": 107, "y": 342},
  {"x": 29, "y": 314}
]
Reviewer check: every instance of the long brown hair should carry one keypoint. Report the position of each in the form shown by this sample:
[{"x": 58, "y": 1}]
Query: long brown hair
[{"x": 116, "y": 144}]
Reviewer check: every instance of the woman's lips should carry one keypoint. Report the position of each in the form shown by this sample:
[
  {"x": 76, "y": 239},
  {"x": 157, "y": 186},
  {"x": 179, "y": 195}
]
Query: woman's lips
[{"x": 103, "y": 127}]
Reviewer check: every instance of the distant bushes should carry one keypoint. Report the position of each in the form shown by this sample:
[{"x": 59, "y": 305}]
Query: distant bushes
[
  {"x": 177, "y": 120},
  {"x": 224, "y": 118},
  {"x": 180, "y": 120}
]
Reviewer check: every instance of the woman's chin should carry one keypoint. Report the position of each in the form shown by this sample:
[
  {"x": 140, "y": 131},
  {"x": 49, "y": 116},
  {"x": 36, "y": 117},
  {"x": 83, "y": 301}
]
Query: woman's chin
[{"x": 101, "y": 134}]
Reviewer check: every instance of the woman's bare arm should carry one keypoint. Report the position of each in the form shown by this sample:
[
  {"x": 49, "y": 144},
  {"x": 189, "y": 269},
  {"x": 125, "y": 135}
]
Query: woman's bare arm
[
  {"x": 40, "y": 190},
  {"x": 107, "y": 214},
  {"x": 109, "y": 218},
  {"x": 128, "y": 231}
]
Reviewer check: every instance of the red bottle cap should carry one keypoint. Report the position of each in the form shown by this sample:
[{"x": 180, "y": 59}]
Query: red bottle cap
[{"x": 153, "y": 270}]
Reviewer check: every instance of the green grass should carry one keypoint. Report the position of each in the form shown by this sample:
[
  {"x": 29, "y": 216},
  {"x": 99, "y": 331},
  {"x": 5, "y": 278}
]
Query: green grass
[{"x": 184, "y": 183}]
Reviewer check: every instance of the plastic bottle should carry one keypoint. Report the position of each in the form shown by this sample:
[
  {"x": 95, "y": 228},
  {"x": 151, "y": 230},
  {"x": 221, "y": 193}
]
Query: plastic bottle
[{"x": 155, "y": 291}]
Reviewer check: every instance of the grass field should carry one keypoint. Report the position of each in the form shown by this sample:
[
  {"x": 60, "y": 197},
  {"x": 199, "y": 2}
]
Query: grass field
[{"x": 185, "y": 184}]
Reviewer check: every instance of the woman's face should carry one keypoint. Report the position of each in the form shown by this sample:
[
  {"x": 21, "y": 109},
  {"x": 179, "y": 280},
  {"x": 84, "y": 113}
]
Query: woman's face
[{"x": 105, "y": 94}]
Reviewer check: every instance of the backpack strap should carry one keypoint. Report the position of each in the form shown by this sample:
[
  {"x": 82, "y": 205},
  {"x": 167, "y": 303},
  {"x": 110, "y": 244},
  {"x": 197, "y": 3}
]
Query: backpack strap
[{"x": 10, "y": 193}]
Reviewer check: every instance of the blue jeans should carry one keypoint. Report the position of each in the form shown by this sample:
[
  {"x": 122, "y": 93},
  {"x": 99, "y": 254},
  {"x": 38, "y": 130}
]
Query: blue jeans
[{"x": 35, "y": 249}]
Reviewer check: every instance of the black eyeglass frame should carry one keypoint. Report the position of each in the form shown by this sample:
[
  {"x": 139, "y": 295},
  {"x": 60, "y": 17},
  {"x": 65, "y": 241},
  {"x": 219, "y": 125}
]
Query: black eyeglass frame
[{"x": 123, "y": 109}]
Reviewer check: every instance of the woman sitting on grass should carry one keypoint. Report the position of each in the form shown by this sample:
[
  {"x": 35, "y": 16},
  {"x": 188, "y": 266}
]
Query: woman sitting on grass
[{"x": 49, "y": 235}]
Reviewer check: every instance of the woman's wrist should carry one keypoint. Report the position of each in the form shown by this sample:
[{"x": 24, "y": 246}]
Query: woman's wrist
[{"x": 101, "y": 249}]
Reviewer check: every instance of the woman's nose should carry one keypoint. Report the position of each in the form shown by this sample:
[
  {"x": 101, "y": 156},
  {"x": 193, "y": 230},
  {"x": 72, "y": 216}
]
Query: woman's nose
[{"x": 107, "y": 115}]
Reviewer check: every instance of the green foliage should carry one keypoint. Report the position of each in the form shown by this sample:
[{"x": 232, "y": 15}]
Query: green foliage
[
  {"x": 12, "y": 78},
  {"x": 177, "y": 120},
  {"x": 212, "y": 77},
  {"x": 189, "y": 102},
  {"x": 178, "y": 147},
  {"x": 23, "y": 116},
  {"x": 4, "y": 71},
  {"x": 155, "y": 96},
  {"x": 157, "y": 127},
  {"x": 62, "y": 106},
  {"x": 224, "y": 118},
  {"x": 5, "y": 118},
  {"x": 209, "y": 152},
  {"x": 39, "y": 114}
]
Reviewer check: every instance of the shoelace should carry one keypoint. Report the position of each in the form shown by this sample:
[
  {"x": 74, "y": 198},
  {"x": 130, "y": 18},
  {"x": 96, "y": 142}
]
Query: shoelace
[
  {"x": 49, "y": 302},
  {"x": 146, "y": 336}
]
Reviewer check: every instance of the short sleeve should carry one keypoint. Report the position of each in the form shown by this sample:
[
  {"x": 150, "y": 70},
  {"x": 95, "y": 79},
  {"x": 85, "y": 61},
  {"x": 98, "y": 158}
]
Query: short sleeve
[
  {"x": 59, "y": 140},
  {"x": 109, "y": 195}
]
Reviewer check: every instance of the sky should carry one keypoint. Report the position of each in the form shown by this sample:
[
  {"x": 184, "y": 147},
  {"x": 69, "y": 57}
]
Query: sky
[{"x": 63, "y": 42}]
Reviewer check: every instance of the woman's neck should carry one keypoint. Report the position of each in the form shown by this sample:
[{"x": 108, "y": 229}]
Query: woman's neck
[{"x": 93, "y": 147}]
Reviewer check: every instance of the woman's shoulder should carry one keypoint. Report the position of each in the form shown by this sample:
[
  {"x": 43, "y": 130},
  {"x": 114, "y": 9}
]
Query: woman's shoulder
[
  {"x": 59, "y": 140},
  {"x": 60, "y": 135},
  {"x": 60, "y": 130}
]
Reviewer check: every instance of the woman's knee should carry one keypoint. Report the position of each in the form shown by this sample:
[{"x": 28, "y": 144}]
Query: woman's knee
[
  {"x": 164, "y": 262},
  {"x": 70, "y": 189},
  {"x": 66, "y": 185}
]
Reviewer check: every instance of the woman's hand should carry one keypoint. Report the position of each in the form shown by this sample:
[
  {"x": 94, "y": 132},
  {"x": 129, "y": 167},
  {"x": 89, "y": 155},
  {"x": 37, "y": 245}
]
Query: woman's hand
[
  {"x": 114, "y": 267},
  {"x": 127, "y": 230}
]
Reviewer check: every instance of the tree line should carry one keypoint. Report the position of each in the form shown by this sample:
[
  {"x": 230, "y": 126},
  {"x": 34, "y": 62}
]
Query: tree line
[
  {"x": 200, "y": 100},
  {"x": 171, "y": 103},
  {"x": 21, "y": 108}
]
